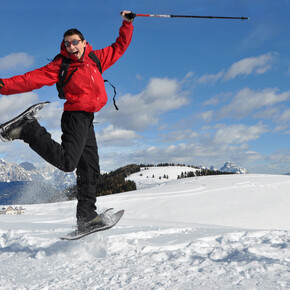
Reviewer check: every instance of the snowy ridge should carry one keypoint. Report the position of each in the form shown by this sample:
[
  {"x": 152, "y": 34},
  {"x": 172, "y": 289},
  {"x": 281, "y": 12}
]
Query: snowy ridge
[
  {"x": 13, "y": 172},
  {"x": 152, "y": 176},
  {"x": 232, "y": 168},
  {"x": 26, "y": 171},
  {"x": 56, "y": 177},
  {"x": 213, "y": 232}
]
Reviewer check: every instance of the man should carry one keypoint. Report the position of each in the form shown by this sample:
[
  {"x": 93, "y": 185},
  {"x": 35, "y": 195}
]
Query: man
[{"x": 85, "y": 94}]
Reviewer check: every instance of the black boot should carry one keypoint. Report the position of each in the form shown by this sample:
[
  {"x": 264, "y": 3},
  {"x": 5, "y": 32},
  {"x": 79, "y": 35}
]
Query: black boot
[
  {"x": 14, "y": 131},
  {"x": 97, "y": 222}
]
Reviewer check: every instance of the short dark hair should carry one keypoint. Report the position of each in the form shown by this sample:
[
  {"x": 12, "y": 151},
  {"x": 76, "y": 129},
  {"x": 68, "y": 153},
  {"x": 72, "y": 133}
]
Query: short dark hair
[{"x": 73, "y": 31}]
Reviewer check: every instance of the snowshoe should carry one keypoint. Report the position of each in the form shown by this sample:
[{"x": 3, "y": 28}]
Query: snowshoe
[
  {"x": 107, "y": 222},
  {"x": 11, "y": 130}
]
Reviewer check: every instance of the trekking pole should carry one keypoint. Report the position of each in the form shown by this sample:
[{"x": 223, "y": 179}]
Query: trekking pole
[{"x": 133, "y": 15}]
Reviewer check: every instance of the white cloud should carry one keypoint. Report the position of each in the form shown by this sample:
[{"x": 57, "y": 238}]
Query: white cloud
[
  {"x": 206, "y": 116},
  {"x": 211, "y": 147},
  {"x": 237, "y": 134},
  {"x": 212, "y": 102},
  {"x": 247, "y": 66},
  {"x": 210, "y": 78},
  {"x": 246, "y": 101},
  {"x": 51, "y": 115},
  {"x": 16, "y": 61},
  {"x": 138, "y": 112},
  {"x": 111, "y": 136},
  {"x": 189, "y": 75},
  {"x": 285, "y": 116},
  {"x": 184, "y": 135},
  {"x": 281, "y": 156},
  {"x": 268, "y": 113},
  {"x": 193, "y": 153},
  {"x": 18, "y": 151},
  {"x": 251, "y": 65},
  {"x": 13, "y": 105}
]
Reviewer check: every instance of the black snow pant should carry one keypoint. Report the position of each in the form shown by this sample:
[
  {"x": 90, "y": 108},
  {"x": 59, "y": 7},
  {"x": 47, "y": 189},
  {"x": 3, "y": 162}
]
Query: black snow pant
[{"x": 78, "y": 150}]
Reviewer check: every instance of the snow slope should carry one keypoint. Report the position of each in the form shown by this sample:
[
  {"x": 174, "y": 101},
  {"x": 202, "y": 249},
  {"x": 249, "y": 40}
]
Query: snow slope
[
  {"x": 152, "y": 176},
  {"x": 214, "y": 232}
]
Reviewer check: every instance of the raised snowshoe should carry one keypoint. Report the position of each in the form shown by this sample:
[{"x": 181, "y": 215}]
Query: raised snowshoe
[
  {"x": 103, "y": 222},
  {"x": 11, "y": 130}
]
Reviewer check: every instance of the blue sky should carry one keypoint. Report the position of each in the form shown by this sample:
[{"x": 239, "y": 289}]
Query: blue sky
[{"x": 193, "y": 91}]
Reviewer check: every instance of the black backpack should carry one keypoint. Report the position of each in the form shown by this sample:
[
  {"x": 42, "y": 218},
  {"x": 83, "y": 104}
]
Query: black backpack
[{"x": 63, "y": 79}]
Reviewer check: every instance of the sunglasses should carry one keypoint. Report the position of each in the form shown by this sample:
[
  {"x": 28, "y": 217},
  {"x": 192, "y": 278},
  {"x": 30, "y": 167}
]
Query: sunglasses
[{"x": 73, "y": 42}]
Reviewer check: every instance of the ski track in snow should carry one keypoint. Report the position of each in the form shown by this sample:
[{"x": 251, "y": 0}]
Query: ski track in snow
[{"x": 148, "y": 250}]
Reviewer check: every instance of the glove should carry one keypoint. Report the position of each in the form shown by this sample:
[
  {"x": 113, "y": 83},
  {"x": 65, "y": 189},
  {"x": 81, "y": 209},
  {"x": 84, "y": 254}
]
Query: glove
[
  {"x": 128, "y": 15},
  {"x": 1, "y": 84}
]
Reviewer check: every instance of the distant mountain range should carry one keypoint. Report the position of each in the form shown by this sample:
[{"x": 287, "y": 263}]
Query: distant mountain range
[
  {"x": 26, "y": 171},
  {"x": 25, "y": 184}
]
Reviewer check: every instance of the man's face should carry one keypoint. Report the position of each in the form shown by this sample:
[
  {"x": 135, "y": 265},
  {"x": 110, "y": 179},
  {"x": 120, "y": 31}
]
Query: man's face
[{"x": 74, "y": 45}]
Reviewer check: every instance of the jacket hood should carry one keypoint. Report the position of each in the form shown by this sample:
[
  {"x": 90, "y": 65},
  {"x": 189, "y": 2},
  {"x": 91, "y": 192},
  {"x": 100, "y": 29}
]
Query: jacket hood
[{"x": 65, "y": 53}]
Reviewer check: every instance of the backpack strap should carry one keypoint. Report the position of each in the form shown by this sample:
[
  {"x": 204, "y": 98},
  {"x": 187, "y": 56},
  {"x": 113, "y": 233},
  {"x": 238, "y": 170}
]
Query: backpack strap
[
  {"x": 62, "y": 76},
  {"x": 96, "y": 60}
]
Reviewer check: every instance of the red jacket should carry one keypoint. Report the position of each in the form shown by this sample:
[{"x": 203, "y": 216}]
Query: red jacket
[{"x": 86, "y": 90}]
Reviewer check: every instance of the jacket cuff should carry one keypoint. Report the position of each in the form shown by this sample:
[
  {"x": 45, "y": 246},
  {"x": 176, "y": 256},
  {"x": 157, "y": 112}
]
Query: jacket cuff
[{"x": 125, "y": 22}]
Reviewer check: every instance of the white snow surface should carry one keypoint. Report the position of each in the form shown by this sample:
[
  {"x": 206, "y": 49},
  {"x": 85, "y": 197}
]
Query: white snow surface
[
  {"x": 158, "y": 175},
  {"x": 214, "y": 232}
]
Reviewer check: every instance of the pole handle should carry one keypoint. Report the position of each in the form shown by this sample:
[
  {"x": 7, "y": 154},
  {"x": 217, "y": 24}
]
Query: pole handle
[{"x": 130, "y": 15}]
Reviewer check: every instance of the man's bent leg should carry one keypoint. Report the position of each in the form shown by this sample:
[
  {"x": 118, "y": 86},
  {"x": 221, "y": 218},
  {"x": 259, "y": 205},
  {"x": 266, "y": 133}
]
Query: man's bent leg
[{"x": 67, "y": 155}]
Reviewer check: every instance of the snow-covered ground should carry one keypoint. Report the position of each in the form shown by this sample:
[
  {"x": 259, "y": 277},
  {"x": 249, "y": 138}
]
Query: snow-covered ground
[
  {"x": 152, "y": 176},
  {"x": 214, "y": 232}
]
